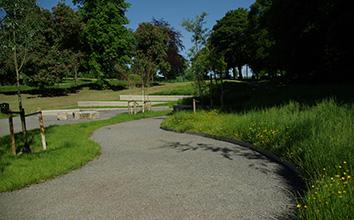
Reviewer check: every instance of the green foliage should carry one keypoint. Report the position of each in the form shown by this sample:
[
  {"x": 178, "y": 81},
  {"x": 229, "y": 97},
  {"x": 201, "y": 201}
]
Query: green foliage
[
  {"x": 229, "y": 38},
  {"x": 18, "y": 29},
  {"x": 54, "y": 35},
  {"x": 261, "y": 43},
  {"x": 200, "y": 35},
  {"x": 312, "y": 41},
  {"x": 198, "y": 56},
  {"x": 316, "y": 139},
  {"x": 201, "y": 65},
  {"x": 176, "y": 62},
  {"x": 151, "y": 51},
  {"x": 107, "y": 40},
  {"x": 69, "y": 147}
]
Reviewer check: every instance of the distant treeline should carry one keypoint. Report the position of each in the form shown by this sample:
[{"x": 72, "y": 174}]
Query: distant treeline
[
  {"x": 304, "y": 40},
  {"x": 92, "y": 41}
]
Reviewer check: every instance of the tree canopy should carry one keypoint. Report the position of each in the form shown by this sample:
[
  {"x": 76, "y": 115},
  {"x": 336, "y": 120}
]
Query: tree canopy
[
  {"x": 229, "y": 38},
  {"x": 107, "y": 41}
]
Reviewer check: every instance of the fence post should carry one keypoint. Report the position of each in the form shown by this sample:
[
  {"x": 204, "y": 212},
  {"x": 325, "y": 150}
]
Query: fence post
[
  {"x": 130, "y": 111},
  {"x": 134, "y": 107},
  {"x": 41, "y": 129},
  {"x": 12, "y": 135},
  {"x": 194, "y": 106}
]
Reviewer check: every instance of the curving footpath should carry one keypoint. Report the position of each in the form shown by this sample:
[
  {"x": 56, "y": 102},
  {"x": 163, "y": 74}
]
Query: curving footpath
[{"x": 148, "y": 173}]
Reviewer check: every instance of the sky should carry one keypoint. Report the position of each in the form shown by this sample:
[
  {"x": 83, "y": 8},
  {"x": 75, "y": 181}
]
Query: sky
[{"x": 173, "y": 11}]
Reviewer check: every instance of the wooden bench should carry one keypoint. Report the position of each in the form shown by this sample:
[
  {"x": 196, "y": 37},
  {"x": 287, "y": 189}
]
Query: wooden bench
[{"x": 134, "y": 106}]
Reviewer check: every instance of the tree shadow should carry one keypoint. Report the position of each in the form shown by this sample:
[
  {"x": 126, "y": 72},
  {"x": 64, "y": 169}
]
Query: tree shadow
[
  {"x": 260, "y": 162},
  {"x": 229, "y": 153}
]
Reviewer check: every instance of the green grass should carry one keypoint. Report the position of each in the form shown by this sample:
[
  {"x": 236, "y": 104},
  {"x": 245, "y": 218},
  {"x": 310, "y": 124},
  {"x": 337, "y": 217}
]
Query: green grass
[
  {"x": 318, "y": 139},
  {"x": 32, "y": 102},
  {"x": 69, "y": 147},
  {"x": 176, "y": 89}
]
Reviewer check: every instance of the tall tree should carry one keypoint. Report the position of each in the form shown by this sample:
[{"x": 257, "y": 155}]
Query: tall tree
[
  {"x": 199, "y": 39},
  {"x": 44, "y": 72},
  {"x": 108, "y": 41},
  {"x": 177, "y": 63},
  {"x": 18, "y": 27},
  {"x": 229, "y": 38},
  {"x": 68, "y": 27},
  {"x": 261, "y": 43},
  {"x": 312, "y": 38},
  {"x": 200, "y": 33},
  {"x": 151, "y": 52}
]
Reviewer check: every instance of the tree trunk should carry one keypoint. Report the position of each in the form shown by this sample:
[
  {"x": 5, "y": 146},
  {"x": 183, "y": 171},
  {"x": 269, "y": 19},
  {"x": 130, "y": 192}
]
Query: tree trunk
[
  {"x": 75, "y": 74},
  {"x": 211, "y": 91},
  {"x": 234, "y": 71},
  {"x": 26, "y": 147},
  {"x": 221, "y": 91},
  {"x": 143, "y": 93},
  {"x": 240, "y": 76}
]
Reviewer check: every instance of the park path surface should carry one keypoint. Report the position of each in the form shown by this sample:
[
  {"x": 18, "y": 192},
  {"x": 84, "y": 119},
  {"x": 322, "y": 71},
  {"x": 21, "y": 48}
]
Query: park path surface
[{"x": 148, "y": 173}]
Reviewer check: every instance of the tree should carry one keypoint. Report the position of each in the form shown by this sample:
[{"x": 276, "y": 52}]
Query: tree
[
  {"x": 18, "y": 26},
  {"x": 68, "y": 27},
  {"x": 312, "y": 41},
  {"x": 261, "y": 43},
  {"x": 229, "y": 38},
  {"x": 152, "y": 43},
  {"x": 200, "y": 33},
  {"x": 177, "y": 63},
  {"x": 151, "y": 52},
  {"x": 44, "y": 72},
  {"x": 107, "y": 41},
  {"x": 199, "y": 39},
  {"x": 200, "y": 68}
]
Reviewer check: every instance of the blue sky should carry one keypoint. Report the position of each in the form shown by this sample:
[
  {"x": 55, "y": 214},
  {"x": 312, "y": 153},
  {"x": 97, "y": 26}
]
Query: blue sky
[{"x": 173, "y": 11}]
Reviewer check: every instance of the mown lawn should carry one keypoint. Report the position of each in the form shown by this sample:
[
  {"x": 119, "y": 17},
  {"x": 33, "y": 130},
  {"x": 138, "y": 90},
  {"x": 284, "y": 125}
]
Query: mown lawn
[
  {"x": 69, "y": 147},
  {"x": 318, "y": 139},
  {"x": 32, "y": 102}
]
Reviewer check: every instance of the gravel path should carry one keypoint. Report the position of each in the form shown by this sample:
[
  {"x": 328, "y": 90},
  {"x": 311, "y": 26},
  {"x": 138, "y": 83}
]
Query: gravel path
[{"x": 147, "y": 173}]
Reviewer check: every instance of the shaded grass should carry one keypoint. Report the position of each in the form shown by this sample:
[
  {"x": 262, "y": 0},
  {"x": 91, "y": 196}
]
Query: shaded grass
[
  {"x": 316, "y": 139},
  {"x": 69, "y": 147},
  {"x": 240, "y": 96}
]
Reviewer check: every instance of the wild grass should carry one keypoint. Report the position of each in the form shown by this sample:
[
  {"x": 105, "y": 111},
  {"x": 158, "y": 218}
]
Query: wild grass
[
  {"x": 69, "y": 147},
  {"x": 317, "y": 139}
]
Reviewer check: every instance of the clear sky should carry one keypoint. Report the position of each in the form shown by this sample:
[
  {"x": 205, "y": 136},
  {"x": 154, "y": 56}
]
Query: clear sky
[{"x": 173, "y": 11}]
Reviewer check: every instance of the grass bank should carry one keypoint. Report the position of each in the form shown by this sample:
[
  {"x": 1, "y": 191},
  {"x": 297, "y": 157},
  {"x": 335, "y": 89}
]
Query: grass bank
[
  {"x": 69, "y": 147},
  {"x": 318, "y": 140}
]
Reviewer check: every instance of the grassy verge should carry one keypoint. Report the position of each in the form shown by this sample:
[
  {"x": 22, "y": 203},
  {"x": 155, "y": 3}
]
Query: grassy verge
[
  {"x": 69, "y": 147},
  {"x": 317, "y": 139}
]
